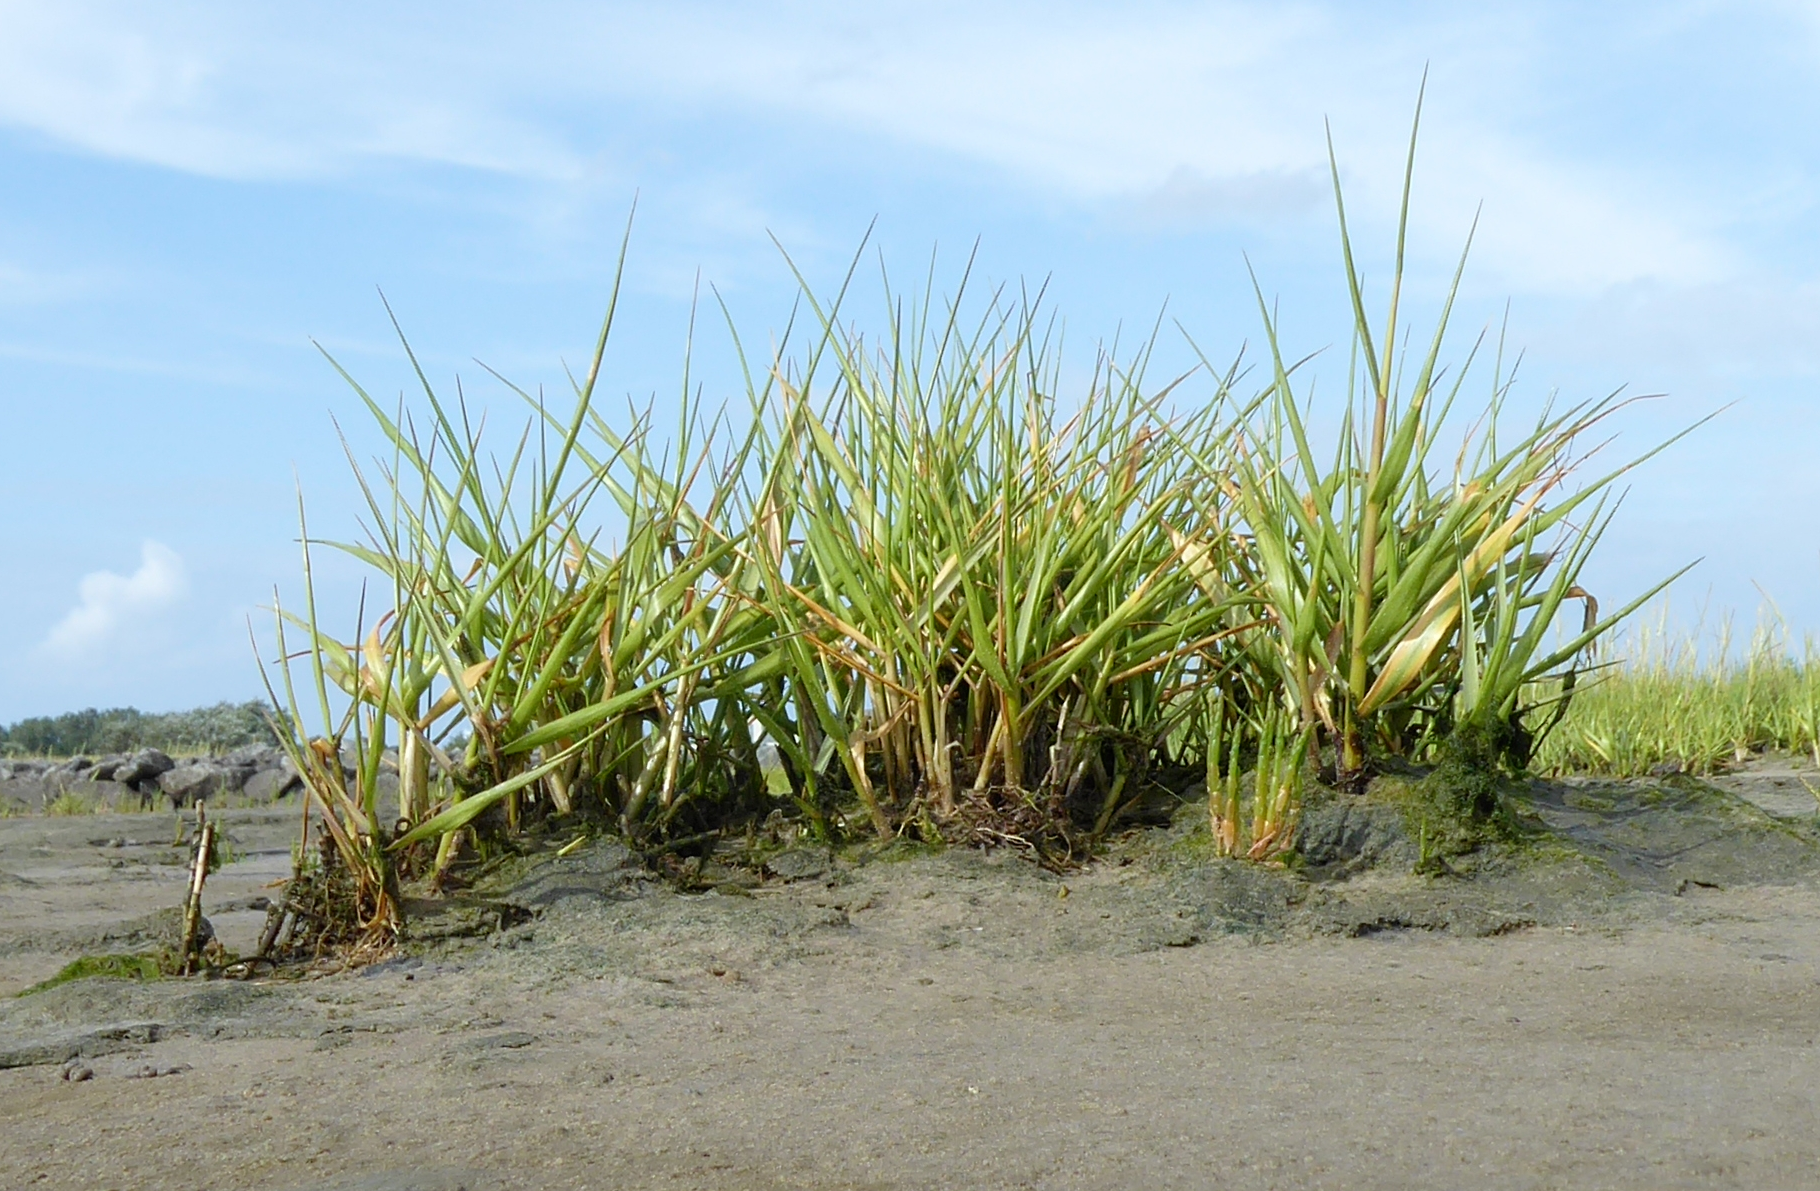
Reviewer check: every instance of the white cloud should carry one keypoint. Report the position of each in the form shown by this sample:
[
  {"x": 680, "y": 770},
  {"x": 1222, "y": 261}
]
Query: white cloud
[
  {"x": 1184, "y": 111},
  {"x": 110, "y": 606},
  {"x": 1215, "y": 112},
  {"x": 229, "y": 92}
]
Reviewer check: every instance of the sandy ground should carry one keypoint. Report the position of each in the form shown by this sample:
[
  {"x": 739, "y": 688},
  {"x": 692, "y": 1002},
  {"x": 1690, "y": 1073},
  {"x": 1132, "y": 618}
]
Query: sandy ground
[{"x": 955, "y": 1021}]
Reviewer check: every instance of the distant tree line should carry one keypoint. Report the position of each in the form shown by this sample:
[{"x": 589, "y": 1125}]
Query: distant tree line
[{"x": 122, "y": 729}]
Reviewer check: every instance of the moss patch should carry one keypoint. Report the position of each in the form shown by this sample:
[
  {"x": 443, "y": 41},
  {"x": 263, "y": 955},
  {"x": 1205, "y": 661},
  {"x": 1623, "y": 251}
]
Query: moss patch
[{"x": 141, "y": 966}]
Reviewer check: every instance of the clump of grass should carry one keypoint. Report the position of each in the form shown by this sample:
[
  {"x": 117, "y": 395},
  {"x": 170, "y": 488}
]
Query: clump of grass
[
  {"x": 927, "y": 592},
  {"x": 986, "y": 626},
  {"x": 1402, "y": 603},
  {"x": 69, "y": 803},
  {"x": 1459, "y": 805},
  {"x": 1274, "y": 802}
]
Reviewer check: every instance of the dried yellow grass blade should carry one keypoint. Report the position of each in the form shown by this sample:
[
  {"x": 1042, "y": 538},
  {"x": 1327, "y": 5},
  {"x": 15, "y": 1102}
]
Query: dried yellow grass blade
[
  {"x": 1198, "y": 557},
  {"x": 452, "y": 698},
  {"x": 1436, "y": 621}
]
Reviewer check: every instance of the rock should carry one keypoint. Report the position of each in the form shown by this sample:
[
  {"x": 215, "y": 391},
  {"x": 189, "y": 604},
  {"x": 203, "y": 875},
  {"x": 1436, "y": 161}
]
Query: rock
[
  {"x": 255, "y": 757},
  {"x": 386, "y": 786},
  {"x": 100, "y": 795},
  {"x": 72, "y": 768},
  {"x": 269, "y": 785},
  {"x": 184, "y": 784},
  {"x": 78, "y": 1044},
  {"x": 27, "y": 791},
  {"x": 201, "y": 780},
  {"x": 31, "y": 795},
  {"x": 141, "y": 767},
  {"x": 409, "y": 966},
  {"x": 106, "y": 767}
]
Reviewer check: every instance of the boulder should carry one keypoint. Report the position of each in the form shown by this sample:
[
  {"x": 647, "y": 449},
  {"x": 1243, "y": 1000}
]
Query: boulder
[
  {"x": 604, "y": 869},
  {"x": 72, "y": 768},
  {"x": 269, "y": 785},
  {"x": 25, "y": 792},
  {"x": 38, "y": 794},
  {"x": 201, "y": 779},
  {"x": 255, "y": 757},
  {"x": 104, "y": 795},
  {"x": 139, "y": 770},
  {"x": 386, "y": 786},
  {"x": 105, "y": 768}
]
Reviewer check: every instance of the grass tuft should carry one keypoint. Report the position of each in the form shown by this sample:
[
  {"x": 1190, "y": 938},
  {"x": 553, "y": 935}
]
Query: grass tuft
[{"x": 940, "y": 588}]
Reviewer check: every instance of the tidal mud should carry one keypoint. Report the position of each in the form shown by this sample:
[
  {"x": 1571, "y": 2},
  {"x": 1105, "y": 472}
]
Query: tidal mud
[{"x": 1627, "y": 995}]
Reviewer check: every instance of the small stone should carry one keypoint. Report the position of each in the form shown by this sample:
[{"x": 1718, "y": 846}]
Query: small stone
[{"x": 76, "y": 1071}]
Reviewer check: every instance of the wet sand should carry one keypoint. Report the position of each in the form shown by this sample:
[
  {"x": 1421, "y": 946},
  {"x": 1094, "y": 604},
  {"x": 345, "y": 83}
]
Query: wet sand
[{"x": 965, "y": 1021}]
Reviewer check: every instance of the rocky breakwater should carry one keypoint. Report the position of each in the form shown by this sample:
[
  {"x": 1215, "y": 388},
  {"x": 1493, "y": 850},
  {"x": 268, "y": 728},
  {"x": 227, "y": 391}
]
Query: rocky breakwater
[{"x": 253, "y": 775}]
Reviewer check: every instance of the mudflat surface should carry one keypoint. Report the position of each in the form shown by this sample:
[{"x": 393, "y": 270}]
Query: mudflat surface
[
  {"x": 82, "y": 884},
  {"x": 1634, "y": 1002}
]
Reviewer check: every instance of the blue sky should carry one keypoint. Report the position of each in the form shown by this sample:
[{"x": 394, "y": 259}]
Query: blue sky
[{"x": 196, "y": 191}]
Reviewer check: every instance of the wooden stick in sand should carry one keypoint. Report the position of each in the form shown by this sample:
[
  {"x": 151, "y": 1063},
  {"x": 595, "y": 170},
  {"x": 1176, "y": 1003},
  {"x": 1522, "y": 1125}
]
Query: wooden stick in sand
[{"x": 199, "y": 872}]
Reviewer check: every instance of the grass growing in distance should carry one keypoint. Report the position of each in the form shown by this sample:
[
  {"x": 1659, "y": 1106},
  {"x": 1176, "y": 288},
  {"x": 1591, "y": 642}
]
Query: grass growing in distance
[{"x": 1690, "y": 700}]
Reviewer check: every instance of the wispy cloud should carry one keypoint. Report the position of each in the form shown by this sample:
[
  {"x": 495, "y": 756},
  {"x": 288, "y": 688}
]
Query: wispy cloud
[
  {"x": 1188, "y": 112},
  {"x": 1189, "y": 197},
  {"x": 230, "y": 92},
  {"x": 22, "y": 286},
  {"x": 111, "y": 607}
]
